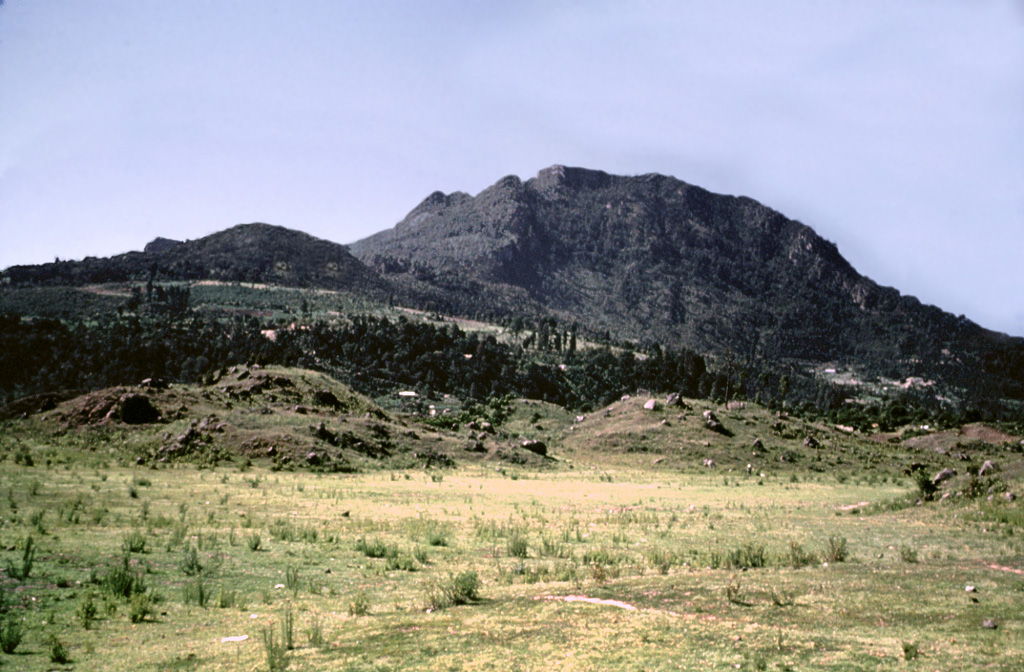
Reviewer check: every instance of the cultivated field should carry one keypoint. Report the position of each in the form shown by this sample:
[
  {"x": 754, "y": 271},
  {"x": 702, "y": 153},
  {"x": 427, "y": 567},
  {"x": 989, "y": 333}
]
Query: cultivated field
[{"x": 582, "y": 566}]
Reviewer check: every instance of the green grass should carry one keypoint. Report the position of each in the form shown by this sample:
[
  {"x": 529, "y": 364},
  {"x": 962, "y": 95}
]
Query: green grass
[{"x": 399, "y": 571}]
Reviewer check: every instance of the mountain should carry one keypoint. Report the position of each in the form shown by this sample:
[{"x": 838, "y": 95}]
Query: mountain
[
  {"x": 244, "y": 253},
  {"x": 655, "y": 259}
]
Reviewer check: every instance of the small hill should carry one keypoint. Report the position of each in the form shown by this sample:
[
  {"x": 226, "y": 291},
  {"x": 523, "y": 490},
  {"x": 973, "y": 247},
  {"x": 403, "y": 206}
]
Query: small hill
[
  {"x": 291, "y": 418},
  {"x": 259, "y": 253}
]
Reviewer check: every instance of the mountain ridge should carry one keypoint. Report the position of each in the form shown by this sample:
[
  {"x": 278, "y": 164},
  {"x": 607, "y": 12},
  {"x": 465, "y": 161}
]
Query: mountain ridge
[{"x": 647, "y": 259}]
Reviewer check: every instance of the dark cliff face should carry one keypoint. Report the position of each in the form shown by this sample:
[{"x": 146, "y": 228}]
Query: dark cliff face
[{"x": 652, "y": 257}]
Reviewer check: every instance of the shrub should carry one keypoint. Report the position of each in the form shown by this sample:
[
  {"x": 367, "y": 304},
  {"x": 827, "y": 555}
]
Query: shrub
[
  {"x": 122, "y": 581},
  {"x": 836, "y": 550},
  {"x": 87, "y": 610},
  {"x": 58, "y": 652},
  {"x": 908, "y": 554},
  {"x": 517, "y": 546},
  {"x": 190, "y": 564},
  {"x": 455, "y": 590},
  {"x": 134, "y": 542},
  {"x": 140, "y": 607},
  {"x": 360, "y": 604},
  {"x": 10, "y": 634}
]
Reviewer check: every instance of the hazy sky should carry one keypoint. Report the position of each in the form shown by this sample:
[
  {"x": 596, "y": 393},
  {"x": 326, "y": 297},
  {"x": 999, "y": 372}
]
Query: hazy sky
[{"x": 893, "y": 128}]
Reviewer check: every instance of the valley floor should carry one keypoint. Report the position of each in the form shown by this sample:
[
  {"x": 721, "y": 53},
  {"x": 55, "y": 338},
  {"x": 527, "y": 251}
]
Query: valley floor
[{"x": 480, "y": 568}]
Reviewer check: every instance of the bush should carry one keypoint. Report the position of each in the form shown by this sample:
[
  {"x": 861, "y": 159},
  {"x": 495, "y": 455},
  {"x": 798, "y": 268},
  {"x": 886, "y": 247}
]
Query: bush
[
  {"x": 253, "y": 541},
  {"x": 140, "y": 607},
  {"x": 517, "y": 546},
  {"x": 58, "y": 652},
  {"x": 360, "y": 604},
  {"x": 123, "y": 582},
  {"x": 836, "y": 550},
  {"x": 190, "y": 562},
  {"x": 10, "y": 634},
  {"x": 134, "y": 542},
  {"x": 908, "y": 554},
  {"x": 87, "y": 610}
]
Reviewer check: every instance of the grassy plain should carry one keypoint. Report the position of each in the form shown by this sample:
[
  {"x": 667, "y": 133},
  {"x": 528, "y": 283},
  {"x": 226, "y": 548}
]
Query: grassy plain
[{"x": 678, "y": 570}]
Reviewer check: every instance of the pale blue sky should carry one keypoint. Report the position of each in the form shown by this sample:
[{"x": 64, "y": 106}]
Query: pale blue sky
[{"x": 893, "y": 128}]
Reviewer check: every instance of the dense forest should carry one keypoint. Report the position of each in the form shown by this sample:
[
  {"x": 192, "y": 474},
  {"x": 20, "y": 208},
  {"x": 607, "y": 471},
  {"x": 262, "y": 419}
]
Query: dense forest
[{"x": 379, "y": 356}]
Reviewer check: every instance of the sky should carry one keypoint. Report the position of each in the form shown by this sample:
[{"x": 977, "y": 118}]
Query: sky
[{"x": 893, "y": 128}]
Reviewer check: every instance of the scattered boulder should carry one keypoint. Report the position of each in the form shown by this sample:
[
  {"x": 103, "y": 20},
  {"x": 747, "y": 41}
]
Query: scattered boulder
[
  {"x": 137, "y": 409},
  {"x": 326, "y": 398},
  {"x": 811, "y": 442},
  {"x": 709, "y": 463},
  {"x": 321, "y": 432},
  {"x": 989, "y": 624},
  {"x": 988, "y": 467},
  {"x": 944, "y": 475},
  {"x": 651, "y": 405},
  {"x": 154, "y": 383},
  {"x": 475, "y": 447},
  {"x": 536, "y": 446}
]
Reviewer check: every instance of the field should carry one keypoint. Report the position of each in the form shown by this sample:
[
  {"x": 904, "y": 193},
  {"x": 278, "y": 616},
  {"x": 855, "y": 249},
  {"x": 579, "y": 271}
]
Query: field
[{"x": 582, "y": 566}]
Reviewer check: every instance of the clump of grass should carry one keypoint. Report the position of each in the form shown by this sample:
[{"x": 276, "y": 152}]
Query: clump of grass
[
  {"x": 797, "y": 557},
  {"x": 454, "y": 590},
  {"x": 28, "y": 556},
  {"x": 910, "y": 650},
  {"x": 288, "y": 629},
  {"x": 291, "y": 580},
  {"x": 276, "y": 654},
  {"x": 253, "y": 541},
  {"x": 195, "y": 592},
  {"x": 36, "y": 519},
  {"x": 375, "y": 548},
  {"x": 749, "y": 556},
  {"x": 315, "y": 632},
  {"x": 226, "y": 598}
]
